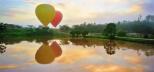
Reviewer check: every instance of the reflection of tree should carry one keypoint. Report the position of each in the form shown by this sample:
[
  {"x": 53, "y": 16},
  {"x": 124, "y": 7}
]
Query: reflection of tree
[
  {"x": 12, "y": 39},
  {"x": 110, "y": 47},
  {"x": 64, "y": 41},
  {"x": 2, "y": 48},
  {"x": 83, "y": 42},
  {"x": 86, "y": 42},
  {"x": 149, "y": 52},
  {"x": 148, "y": 49}
]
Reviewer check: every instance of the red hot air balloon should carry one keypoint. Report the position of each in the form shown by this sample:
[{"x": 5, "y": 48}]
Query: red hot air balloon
[{"x": 57, "y": 19}]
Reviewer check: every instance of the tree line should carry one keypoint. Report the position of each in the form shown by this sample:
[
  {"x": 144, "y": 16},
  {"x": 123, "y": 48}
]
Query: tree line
[
  {"x": 15, "y": 30},
  {"x": 137, "y": 28}
]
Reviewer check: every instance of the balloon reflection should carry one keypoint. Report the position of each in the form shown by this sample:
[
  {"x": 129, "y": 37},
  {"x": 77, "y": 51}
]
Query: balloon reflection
[
  {"x": 56, "y": 49},
  {"x": 47, "y": 53}
]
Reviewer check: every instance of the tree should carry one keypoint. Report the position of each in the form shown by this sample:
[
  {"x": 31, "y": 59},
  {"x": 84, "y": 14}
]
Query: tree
[
  {"x": 84, "y": 33},
  {"x": 2, "y": 27},
  {"x": 110, "y": 30},
  {"x": 150, "y": 18},
  {"x": 65, "y": 28},
  {"x": 72, "y": 33}
]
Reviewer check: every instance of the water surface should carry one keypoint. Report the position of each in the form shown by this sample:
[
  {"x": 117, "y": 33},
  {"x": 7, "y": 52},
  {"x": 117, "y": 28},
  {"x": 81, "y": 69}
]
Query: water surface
[{"x": 76, "y": 55}]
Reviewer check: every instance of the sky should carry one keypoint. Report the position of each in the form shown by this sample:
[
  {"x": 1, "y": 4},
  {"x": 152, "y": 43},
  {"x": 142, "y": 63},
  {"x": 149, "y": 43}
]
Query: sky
[{"x": 22, "y": 12}]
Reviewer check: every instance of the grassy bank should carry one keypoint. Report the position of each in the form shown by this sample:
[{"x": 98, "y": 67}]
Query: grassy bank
[
  {"x": 130, "y": 39},
  {"x": 139, "y": 40}
]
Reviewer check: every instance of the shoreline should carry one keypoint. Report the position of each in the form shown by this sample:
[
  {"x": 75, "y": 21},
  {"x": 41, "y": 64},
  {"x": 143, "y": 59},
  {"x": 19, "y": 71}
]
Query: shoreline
[{"x": 130, "y": 39}]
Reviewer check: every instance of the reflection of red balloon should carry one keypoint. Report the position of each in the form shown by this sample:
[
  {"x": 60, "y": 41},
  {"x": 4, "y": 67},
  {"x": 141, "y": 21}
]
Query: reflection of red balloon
[
  {"x": 56, "y": 49},
  {"x": 57, "y": 19}
]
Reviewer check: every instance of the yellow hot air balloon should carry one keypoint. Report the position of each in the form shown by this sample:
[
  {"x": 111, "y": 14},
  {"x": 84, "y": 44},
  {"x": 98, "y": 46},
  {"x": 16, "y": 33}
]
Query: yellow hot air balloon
[{"x": 45, "y": 13}]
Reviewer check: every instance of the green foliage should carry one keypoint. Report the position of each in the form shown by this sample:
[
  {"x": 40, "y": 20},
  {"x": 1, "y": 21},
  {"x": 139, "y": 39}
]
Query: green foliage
[
  {"x": 121, "y": 33},
  {"x": 2, "y": 27},
  {"x": 15, "y": 30},
  {"x": 84, "y": 33},
  {"x": 139, "y": 28},
  {"x": 65, "y": 28},
  {"x": 142, "y": 28},
  {"x": 145, "y": 28},
  {"x": 79, "y": 30},
  {"x": 110, "y": 30},
  {"x": 75, "y": 33},
  {"x": 59, "y": 34},
  {"x": 139, "y": 40}
]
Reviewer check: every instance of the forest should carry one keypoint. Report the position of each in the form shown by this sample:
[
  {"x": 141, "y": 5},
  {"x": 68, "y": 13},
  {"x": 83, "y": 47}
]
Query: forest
[
  {"x": 138, "y": 28},
  {"x": 141, "y": 28}
]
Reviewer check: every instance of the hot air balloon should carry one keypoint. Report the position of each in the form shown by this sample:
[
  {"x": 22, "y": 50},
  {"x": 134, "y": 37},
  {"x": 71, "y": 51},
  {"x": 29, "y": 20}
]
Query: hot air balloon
[
  {"x": 45, "y": 13},
  {"x": 57, "y": 19}
]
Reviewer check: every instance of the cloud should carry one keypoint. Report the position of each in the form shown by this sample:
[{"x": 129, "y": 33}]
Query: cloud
[
  {"x": 25, "y": 47},
  {"x": 112, "y": 68},
  {"x": 30, "y": 1},
  {"x": 14, "y": 66},
  {"x": 78, "y": 11},
  {"x": 11, "y": 66},
  {"x": 74, "y": 55},
  {"x": 135, "y": 9},
  {"x": 20, "y": 14},
  {"x": 98, "y": 11},
  {"x": 133, "y": 59},
  {"x": 148, "y": 6}
]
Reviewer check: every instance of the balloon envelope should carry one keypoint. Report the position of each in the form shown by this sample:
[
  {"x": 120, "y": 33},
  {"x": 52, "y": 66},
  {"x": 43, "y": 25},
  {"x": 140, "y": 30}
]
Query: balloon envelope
[
  {"x": 57, "y": 51},
  {"x": 44, "y": 54},
  {"x": 57, "y": 19},
  {"x": 45, "y": 13}
]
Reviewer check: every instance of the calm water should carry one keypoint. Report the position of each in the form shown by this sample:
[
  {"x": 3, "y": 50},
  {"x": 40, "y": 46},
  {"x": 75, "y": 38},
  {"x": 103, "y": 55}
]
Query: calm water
[{"x": 76, "y": 55}]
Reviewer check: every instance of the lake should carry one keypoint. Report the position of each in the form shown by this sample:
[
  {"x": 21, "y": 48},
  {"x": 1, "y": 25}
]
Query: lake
[{"x": 75, "y": 55}]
